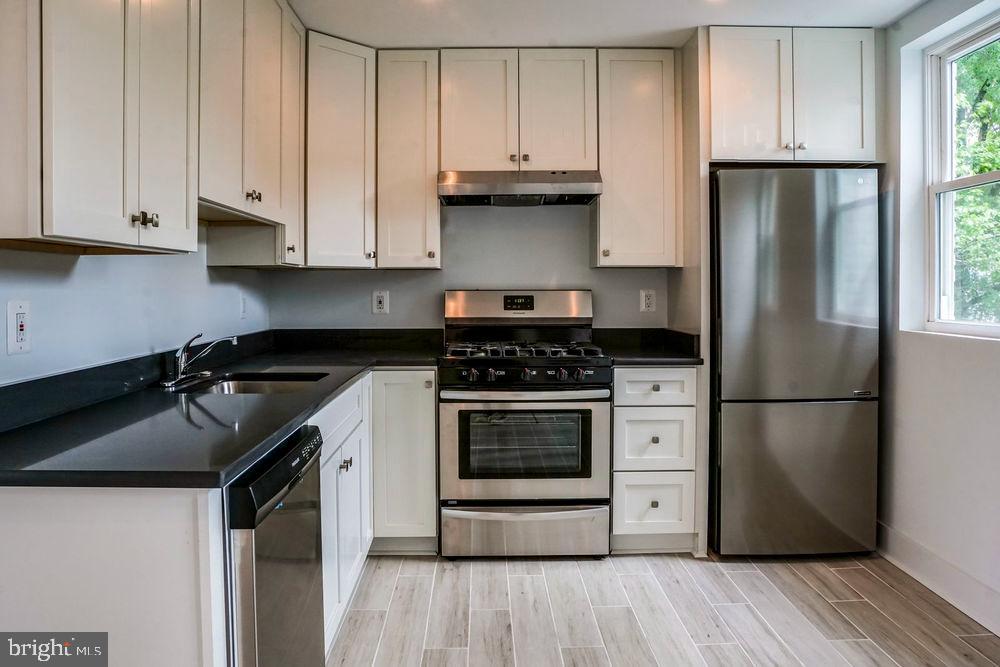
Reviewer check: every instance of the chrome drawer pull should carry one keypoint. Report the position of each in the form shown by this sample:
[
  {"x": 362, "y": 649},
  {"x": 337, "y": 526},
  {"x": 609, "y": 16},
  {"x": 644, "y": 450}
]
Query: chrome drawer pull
[
  {"x": 656, "y": 387},
  {"x": 654, "y": 504},
  {"x": 656, "y": 439}
]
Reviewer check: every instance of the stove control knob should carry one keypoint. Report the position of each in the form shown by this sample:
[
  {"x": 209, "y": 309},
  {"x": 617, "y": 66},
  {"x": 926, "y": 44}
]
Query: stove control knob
[
  {"x": 491, "y": 375},
  {"x": 579, "y": 375},
  {"x": 473, "y": 375},
  {"x": 526, "y": 375},
  {"x": 562, "y": 375}
]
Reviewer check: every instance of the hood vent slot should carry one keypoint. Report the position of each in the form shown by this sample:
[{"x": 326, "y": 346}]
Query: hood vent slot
[{"x": 518, "y": 188}]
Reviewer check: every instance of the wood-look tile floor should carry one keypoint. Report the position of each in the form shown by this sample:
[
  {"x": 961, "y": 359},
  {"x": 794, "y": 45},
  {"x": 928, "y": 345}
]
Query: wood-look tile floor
[{"x": 653, "y": 610}]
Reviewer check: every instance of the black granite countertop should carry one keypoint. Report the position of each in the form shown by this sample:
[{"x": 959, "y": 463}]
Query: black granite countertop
[
  {"x": 157, "y": 438},
  {"x": 114, "y": 426}
]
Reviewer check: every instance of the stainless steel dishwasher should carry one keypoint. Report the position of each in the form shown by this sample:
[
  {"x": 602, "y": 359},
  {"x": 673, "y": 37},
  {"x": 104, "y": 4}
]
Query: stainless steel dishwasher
[{"x": 275, "y": 558}]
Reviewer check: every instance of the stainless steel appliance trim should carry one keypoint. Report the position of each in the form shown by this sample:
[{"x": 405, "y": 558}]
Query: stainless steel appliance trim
[
  {"x": 525, "y": 514},
  {"x": 527, "y": 182},
  {"x": 500, "y": 395},
  {"x": 598, "y": 485},
  {"x": 549, "y": 305},
  {"x": 244, "y": 598}
]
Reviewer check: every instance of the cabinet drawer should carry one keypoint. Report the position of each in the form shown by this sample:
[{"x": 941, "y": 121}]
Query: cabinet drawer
[
  {"x": 652, "y": 502},
  {"x": 655, "y": 386},
  {"x": 340, "y": 416},
  {"x": 660, "y": 438}
]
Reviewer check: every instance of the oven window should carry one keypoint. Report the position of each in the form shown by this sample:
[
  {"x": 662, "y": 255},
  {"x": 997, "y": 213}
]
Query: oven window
[{"x": 524, "y": 444}]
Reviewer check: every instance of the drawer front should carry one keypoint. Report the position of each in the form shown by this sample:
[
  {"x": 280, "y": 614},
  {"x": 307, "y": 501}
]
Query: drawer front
[
  {"x": 661, "y": 438},
  {"x": 653, "y": 503},
  {"x": 655, "y": 386},
  {"x": 338, "y": 418}
]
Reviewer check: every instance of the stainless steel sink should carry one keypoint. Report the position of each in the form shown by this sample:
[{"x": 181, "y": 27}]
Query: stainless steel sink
[{"x": 253, "y": 383}]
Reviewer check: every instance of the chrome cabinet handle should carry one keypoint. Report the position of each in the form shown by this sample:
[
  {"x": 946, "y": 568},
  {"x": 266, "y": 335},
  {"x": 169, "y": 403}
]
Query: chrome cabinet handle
[
  {"x": 654, "y": 504},
  {"x": 525, "y": 157},
  {"x": 154, "y": 219},
  {"x": 259, "y": 196},
  {"x": 802, "y": 146},
  {"x": 656, "y": 440},
  {"x": 347, "y": 463},
  {"x": 513, "y": 157},
  {"x": 370, "y": 254},
  {"x": 656, "y": 387},
  {"x": 605, "y": 253},
  {"x": 251, "y": 195},
  {"x": 431, "y": 254},
  {"x": 429, "y": 384},
  {"x": 290, "y": 248},
  {"x": 789, "y": 146},
  {"x": 138, "y": 218}
]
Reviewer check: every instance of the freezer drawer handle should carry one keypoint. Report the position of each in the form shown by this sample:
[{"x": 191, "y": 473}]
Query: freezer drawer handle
[{"x": 557, "y": 515}]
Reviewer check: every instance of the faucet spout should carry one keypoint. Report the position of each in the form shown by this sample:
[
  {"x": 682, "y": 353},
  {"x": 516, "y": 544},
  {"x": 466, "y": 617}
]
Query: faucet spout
[{"x": 183, "y": 359}]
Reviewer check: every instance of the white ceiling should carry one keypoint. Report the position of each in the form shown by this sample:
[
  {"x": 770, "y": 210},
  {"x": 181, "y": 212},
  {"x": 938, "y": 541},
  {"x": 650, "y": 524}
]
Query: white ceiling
[{"x": 429, "y": 23}]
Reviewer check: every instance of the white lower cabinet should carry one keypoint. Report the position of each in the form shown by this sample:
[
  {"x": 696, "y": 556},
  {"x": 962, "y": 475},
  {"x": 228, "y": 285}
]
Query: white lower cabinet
[
  {"x": 660, "y": 438},
  {"x": 404, "y": 448},
  {"x": 653, "y": 502},
  {"x": 345, "y": 498}
]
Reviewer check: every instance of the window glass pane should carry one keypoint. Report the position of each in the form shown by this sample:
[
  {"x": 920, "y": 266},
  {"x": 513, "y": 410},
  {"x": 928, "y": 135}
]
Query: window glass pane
[
  {"x": 523, "y": 444},
  {"x": 969, "y": 280},
  {"x": 976, "y": 111}
]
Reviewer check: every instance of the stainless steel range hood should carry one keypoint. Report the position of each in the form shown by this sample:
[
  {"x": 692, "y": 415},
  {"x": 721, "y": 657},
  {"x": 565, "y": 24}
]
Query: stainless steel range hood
[{"x": 518, "y": 188}]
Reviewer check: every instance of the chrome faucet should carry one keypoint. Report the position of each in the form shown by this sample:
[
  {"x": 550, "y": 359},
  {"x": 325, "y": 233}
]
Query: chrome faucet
[{"x": 183, "y": 359}]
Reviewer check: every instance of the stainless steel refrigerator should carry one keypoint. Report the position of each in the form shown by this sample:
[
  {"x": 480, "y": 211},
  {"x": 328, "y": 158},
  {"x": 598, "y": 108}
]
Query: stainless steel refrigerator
[{"x": 795, "y": 359}]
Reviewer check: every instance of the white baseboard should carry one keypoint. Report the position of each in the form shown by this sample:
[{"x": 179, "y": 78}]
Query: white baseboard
[
  {"x": 958, "y": 587},
  {"x": 652, "y": 544},
  {"x": 404, "y": 546}
]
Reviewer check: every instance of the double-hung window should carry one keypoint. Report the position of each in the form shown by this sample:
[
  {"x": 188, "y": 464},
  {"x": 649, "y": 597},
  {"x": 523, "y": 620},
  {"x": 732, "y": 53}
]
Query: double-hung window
[{"x": 964, "y": 192}]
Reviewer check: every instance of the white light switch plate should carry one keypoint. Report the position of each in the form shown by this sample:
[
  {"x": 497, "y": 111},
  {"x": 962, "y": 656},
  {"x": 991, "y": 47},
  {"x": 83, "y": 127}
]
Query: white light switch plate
[{"x": 18, "y": 327}]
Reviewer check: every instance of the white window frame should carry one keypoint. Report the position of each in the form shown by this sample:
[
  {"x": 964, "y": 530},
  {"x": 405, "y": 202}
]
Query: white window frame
[{"x": 939, "y": 164}]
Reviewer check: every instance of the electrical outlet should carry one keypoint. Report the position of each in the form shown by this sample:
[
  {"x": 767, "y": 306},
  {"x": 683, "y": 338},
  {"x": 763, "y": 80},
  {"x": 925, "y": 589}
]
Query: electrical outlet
[
  {"x": 380, "y": 302},
  {"x": 647, "y": 300},
  {"x": 18, "y": 327}
]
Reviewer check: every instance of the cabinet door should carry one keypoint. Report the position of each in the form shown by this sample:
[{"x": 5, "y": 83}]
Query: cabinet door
[
  {"x": 293, "y": 128},
  {"x": 340, "y": 153},
  {"x": 751, "y": 87},
  {"x": 367, "y": 479},
  {"x": 262, "y": 106},
  {"x": 350, "y": 532},
  {"x": 636, "y": 214},
  {"x": 220, "y": 148},
  {"x": 558, "y": 108},
  {"x": 404, "y": 453},
  {"x": 409, "y": 221},
  {"x": 479, "y": 110},
  {"x": 89, "y": 130},
  {"x": 834, "y": 73},
  {"x": 168, "y": 123},
  {"x": 332, "y": 604}
]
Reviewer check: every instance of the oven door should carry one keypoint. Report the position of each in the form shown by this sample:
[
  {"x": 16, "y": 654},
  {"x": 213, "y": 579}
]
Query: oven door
[{"x": 525, "y": 445}]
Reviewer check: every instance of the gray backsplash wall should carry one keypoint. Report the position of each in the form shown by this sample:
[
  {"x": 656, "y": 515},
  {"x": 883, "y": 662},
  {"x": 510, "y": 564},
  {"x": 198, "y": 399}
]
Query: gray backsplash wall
[
  {"x": 543, "y": 247},
  {"x": 92, "y": 310}
]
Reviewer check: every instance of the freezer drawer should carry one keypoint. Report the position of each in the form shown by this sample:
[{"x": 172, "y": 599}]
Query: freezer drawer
[
  {"x": 797, "y": 478},
  {"x": 571, "y": 530}
]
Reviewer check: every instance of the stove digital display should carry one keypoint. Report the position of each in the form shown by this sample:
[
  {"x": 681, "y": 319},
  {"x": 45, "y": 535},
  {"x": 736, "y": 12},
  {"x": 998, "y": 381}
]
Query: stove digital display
[{"x": 518, "y": 301}]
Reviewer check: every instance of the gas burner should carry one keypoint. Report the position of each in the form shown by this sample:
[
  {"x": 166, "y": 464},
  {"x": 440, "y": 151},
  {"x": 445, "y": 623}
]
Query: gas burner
[{"x": 523, "y": 349}]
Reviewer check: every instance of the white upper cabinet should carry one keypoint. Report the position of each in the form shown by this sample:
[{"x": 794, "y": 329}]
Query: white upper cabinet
[
  {"x": 252, "y": 69},
  {"x": 340, "y": 154},
  {"x": 115, "y": 117},
  {"x": 510, "y": 109},
  {"x": 409, "y": 221},
  {"x": 558, "y": 108},
  {"x": 792, "y": 93},
  {"x": 479, "y": 110},
  {"x": 834, "y": 74},
  {"x": 635, "y": 219},
  {"x": 291, "y": 250},
  {"x": 751, "y": 89}
]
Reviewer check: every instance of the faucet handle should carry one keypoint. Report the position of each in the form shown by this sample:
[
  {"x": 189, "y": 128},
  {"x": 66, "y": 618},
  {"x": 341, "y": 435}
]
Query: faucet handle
[{"x": 184, "y": 348}]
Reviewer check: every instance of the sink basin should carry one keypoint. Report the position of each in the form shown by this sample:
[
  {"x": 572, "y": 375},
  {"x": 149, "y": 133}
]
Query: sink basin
[{"x": 254, "y": 383}]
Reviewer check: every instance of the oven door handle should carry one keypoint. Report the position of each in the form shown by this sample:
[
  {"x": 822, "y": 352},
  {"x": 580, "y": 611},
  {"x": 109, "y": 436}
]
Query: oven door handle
[
  {"x": 557, "y": 515},
  {"x": 567, "y": 395}
]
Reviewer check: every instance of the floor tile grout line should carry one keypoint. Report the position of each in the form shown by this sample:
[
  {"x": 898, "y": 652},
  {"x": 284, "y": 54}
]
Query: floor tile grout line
[
  {"x": 978, "y": 634},
  {"x": 691, "y": 574},
  {"x": 901, "y": 629},
  {"x": 510, "y": 611},
  {"x": 385, "y": 621},
  {"x": 664, "y": 591},
  {"x": 670, "y": 602},
  {"x": 829, "y": 602},
  {"x": 427, "y": 622},
  {"x": 763, "y": 618},
  {"x": 468, "y": 635},
  {"x": 548, "y": 597},
  {"x": 988, "y": 658},
  {"x": 866, "y": 639},
  {"x": 917, "y": 606}
]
